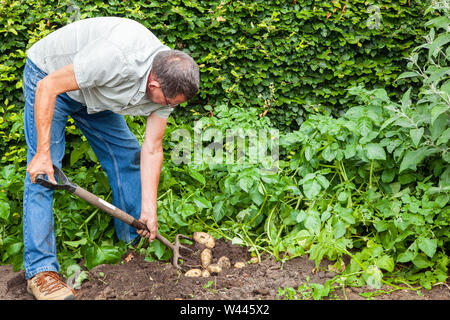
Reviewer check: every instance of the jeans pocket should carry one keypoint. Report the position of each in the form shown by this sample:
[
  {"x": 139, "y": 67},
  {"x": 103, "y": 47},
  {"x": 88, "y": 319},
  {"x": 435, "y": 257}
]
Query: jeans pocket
[{"x": 31, "y": 76}]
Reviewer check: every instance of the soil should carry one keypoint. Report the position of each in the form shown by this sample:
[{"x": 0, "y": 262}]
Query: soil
[{"x": 136, "y": 279}]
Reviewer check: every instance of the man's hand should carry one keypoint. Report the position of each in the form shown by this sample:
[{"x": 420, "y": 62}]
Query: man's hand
[
  {"x": 41, "y": 163},
  {"x": 151, "y": 221},
  {"x": 47, "y": 89}
]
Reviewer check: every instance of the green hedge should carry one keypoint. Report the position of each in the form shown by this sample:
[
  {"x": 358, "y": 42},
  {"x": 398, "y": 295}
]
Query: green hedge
[{"x": 295, "y": 56}]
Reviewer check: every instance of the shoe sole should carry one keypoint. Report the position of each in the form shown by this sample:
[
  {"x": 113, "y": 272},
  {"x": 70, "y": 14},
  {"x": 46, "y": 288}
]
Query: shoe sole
[{"x": 70, "y": 297}]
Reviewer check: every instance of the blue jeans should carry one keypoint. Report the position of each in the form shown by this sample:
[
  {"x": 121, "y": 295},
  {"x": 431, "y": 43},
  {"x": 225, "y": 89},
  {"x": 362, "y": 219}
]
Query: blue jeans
[{"x": 114, "y": 145}]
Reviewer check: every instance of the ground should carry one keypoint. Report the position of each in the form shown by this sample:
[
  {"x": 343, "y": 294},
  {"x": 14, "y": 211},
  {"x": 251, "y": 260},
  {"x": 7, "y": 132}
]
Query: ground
[{"x": 136, "y": 279}]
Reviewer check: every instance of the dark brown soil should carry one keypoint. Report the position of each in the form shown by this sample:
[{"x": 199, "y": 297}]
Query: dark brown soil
[{"x": 136, "y": 279}]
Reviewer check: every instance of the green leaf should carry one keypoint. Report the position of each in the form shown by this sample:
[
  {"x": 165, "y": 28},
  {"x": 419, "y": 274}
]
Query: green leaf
[
  {"x": 178, "y": 218},
  {"x": 14, "y": 248},
  {"x": 375, "y": 152},
  {"x": 343, "y": 195},
  {"x": 438, "y": 126},
  {"x": 187, "y": 210},
  {"x": 159, "y": 248},
  {"x": 413, "y": 157},
  {"x": 442, "y": 200},
  {"x": 408, "y": 74},
  {"x": 437, "y": 111},
  {"x": 8, "y": 171},
  {"x": 388, "y": 175},
  {"x": 381, "y": 226},
  {"x": 311, "y": 188},
  {"x": 76, "y": 244},
  {"x": 421, "y": 262},
  {"x": 4, "y": 210},
  {"x": 201, "y": 202},
  {"x": 445, "y": 136},
  {"x": 339, "y": 229},
  {"x": 388, "y": 122},
  {"x": 196, "y": 175},
  {"x": 427, "y": 245},
  {"x": 406, "y": 256},
  {"x": 75, "y": 275},
  {"x": 97, "y": 255},
  {"x": 440, "y": 22},
  {"x": 219, "y": 210},
  {"x": 406, "y": 100},
  {"x": 440, "y": 41},
  {"x": 256, "y": 196},
  {"x": 320, "y": 291},
  {"x": 347, "y": 215},
  {"x": 438, "y": 74},
  {"x": 301, "y": 216},
  {"x": 385, "y": 262},
  {"x": 309, "y": 153},
  {"x": 245, "y": 183},
  {"x": 416, "y": 135},
  {"x": 329, "y": 154},
  {"x": 77, "y": 153},
  {"x": 323, "y": 181},
  {"x": 270, "y": 178},
  {"x": 312, "y": 222}
]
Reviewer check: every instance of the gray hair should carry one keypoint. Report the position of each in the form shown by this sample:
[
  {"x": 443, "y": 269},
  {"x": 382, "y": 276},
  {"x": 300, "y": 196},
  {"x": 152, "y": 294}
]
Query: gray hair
[{"x": 177, "y": 73}]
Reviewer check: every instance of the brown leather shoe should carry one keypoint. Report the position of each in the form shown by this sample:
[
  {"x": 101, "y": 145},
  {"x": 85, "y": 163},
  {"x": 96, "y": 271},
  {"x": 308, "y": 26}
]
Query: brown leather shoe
[{"x": 48, "y": 285}]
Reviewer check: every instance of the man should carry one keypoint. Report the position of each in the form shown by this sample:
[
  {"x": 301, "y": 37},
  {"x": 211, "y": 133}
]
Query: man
[{"x": 95, "y": 71}]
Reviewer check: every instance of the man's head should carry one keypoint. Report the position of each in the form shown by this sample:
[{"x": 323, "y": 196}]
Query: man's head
[{"x": 174, "y": 78}]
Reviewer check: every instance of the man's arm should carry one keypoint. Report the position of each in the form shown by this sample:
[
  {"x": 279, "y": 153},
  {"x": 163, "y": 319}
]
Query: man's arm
[
  {"x": 47, "y": 90},
  {"x": 151, "y": 164}
]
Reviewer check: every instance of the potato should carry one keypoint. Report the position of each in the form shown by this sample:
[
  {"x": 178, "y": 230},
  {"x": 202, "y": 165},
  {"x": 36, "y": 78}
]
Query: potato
[
  {"x": 254, "y": 260},
  {"x": 214, "y": 268},
  {"x": 206, "y": 258},
  {"x": 204, "y": 238},
  {"x": 224, "y": 262},
  {"x": 205, "y": 273},
  {"x": 193, "y": 273},
  {"x": 211, "y": 243},
  {"x": 239, "y": 265}
]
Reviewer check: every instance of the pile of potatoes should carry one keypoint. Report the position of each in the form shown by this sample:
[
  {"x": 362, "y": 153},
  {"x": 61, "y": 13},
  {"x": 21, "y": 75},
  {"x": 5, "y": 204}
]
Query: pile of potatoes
[{"x": 206, "y": 258}]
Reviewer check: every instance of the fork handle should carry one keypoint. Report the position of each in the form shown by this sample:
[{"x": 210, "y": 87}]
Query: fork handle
[{"x": 117, "y": 213}]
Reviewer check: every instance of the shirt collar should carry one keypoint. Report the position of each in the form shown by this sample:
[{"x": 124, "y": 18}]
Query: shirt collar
[{"x": 143, "y": 86}]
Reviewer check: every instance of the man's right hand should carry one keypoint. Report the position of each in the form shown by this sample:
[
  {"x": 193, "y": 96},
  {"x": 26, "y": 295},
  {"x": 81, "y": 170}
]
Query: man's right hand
[{"x": 41, "y": 163}]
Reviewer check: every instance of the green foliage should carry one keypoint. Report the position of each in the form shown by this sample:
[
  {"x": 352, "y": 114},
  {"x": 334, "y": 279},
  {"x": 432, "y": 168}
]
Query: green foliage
[
  {"x": 363, "y": 168},
  {"x": 307, "y": 291}
]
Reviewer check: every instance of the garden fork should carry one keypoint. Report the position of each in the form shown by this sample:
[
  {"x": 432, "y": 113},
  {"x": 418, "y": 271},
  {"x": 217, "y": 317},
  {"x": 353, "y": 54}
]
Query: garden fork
[{"x": 65, "y": 184}]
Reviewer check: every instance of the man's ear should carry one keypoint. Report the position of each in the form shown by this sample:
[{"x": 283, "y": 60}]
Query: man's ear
[{"x": 152, "y": 82}]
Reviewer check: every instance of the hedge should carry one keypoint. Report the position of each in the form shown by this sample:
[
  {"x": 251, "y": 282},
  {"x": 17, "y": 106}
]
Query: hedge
[{"x": 293, "y": 57}]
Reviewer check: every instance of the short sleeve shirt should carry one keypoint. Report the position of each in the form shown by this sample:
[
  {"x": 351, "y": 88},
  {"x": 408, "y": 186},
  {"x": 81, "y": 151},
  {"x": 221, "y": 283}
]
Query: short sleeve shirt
[{"x": 112, "y": 59}]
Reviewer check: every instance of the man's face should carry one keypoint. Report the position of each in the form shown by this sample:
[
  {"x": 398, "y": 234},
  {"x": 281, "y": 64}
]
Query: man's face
[{"x": 155, "y": 93}]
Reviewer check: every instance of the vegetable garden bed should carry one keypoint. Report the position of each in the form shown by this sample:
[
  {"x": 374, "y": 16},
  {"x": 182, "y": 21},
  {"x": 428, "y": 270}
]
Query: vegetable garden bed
[{"x": 137, "y": 279}]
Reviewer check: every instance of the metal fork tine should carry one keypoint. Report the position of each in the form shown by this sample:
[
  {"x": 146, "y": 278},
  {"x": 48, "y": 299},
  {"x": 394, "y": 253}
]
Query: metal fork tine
[
  {"x": 182, "y": 236},
  {"x": 186, "y": 248}
]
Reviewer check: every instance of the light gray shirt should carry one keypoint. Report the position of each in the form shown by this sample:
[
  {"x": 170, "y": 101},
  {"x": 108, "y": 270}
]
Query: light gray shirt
[{"x": 112, "y": 59}]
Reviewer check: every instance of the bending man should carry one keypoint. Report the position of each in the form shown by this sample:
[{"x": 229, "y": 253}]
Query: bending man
[{"x": 95, "y": 71}]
